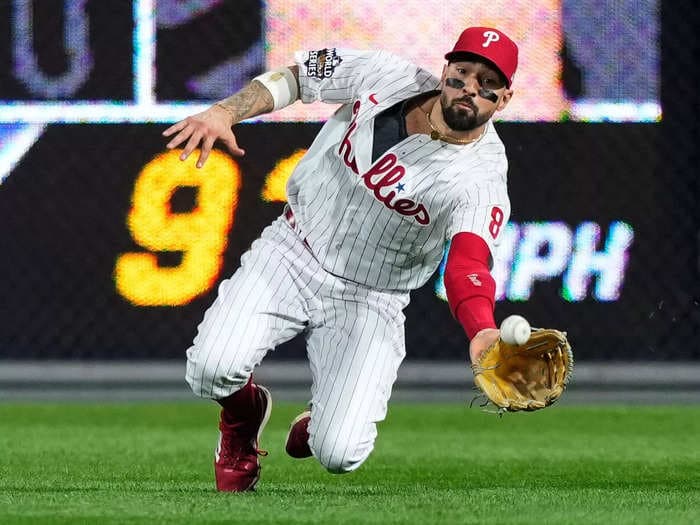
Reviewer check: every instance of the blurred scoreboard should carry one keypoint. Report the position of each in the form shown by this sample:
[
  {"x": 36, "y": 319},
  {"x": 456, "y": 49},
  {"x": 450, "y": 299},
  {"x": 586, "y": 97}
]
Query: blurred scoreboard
[
  {"x": 112, "y": 248},
  {"x": 146, "y": 61}
]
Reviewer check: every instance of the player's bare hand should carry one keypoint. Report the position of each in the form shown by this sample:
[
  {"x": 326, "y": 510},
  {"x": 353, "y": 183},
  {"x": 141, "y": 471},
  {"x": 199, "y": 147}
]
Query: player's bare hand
[
  {"x": 203, "y": 130},
  {"x": 481, "y": 341}
]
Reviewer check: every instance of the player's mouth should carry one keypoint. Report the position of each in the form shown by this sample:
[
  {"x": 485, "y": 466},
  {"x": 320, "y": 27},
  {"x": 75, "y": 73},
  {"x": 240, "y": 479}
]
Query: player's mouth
[{"x": 465, "y": 104}]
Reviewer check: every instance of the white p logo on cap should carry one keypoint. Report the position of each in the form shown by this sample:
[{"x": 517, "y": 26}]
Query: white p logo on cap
[{"x": 490, "y": 36}]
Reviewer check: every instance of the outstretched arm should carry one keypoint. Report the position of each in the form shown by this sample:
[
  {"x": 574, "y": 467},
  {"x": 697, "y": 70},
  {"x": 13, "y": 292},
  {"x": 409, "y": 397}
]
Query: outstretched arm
[
  {"x": 471, "y": 291},
  {"x": 264, "y": 94}
]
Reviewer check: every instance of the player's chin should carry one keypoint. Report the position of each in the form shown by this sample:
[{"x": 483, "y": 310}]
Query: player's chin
[
  {"x": 462, "y": 121},
  {"x": 461, "y": 117}
]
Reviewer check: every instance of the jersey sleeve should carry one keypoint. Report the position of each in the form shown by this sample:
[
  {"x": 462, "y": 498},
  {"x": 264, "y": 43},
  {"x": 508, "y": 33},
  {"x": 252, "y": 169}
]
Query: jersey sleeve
[
  {"x": 484, "y": 210},
  {"x": 337, "y": 76}
]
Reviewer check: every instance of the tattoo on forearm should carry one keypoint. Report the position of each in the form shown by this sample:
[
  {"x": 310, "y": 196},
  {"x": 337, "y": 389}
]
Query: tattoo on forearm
[{"x": 252, "y": 100}]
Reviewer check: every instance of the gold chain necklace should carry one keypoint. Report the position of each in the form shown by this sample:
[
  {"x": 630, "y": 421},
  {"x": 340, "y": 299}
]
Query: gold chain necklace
[{"x": 435, "y": 134}]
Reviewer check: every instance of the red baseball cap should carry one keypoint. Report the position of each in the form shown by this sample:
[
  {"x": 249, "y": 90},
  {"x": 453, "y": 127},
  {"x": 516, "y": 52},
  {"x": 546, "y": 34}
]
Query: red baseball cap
[{"x": 491, "y": 44}]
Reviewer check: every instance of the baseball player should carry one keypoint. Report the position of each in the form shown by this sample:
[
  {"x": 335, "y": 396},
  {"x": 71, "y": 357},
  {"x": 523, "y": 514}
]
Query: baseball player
[{"x": 407, "y": 162}]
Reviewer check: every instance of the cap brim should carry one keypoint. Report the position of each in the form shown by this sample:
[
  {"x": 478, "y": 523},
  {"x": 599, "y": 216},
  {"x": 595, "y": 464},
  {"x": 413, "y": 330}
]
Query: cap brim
[{"x": 452, "y": 56}]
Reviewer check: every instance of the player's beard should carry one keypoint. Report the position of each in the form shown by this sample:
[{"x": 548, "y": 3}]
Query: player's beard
[{"x": 458, "y": 118}]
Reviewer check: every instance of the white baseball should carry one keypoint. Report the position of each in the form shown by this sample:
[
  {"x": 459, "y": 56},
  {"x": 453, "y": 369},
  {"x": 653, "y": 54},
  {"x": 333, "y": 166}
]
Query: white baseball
[{"x": 515, "y": 330}]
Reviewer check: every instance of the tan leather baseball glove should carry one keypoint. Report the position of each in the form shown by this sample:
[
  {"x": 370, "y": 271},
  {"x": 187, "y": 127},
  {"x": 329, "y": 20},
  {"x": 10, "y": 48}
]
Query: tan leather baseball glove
[{"x": 525, "y": 377}]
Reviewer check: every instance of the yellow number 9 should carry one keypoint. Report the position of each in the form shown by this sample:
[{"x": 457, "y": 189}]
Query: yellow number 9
[{"x": 200, "y": 235}]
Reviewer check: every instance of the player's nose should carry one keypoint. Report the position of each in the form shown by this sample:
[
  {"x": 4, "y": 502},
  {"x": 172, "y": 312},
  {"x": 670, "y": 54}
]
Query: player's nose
[{"x": 471, "y": 85}]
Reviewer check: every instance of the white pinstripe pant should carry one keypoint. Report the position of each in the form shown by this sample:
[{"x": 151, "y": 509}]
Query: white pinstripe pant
[{"x": 354, "y": 337}]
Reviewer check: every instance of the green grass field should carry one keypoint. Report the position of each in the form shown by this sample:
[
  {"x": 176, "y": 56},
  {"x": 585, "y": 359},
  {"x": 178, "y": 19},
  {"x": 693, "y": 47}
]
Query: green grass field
[{"x": 152, "y": 463}]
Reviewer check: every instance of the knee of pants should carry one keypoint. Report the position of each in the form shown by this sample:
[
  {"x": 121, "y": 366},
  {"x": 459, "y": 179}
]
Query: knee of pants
[
  {"x": 210, "y": 380},
  {"x": 339, "y": 453}
]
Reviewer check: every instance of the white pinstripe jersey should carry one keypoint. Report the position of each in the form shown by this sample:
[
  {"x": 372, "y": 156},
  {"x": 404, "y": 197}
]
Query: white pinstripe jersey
[{"x": 385, "y": 224}]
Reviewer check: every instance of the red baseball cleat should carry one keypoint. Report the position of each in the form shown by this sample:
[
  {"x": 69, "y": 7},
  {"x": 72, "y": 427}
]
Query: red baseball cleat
[
  {"x": 236, "y": 464},
  {"x": 297, "y": 444}
]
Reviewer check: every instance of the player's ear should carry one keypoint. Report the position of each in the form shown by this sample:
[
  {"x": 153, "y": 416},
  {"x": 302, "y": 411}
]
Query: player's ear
[
  {"x": 507, "y": 95},
  {"x": 444, "y": 75}
]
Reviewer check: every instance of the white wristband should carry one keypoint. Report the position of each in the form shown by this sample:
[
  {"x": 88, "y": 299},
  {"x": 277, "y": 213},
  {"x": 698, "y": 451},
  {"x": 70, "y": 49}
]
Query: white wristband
[{"x": 282, "y": 85}]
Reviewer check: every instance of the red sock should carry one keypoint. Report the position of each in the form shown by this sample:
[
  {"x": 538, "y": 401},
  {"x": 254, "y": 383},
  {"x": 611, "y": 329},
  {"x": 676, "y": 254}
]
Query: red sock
[{"x": 241, "y": 405}]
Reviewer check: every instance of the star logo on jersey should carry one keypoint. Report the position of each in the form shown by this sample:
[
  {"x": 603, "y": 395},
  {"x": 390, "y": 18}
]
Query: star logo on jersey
[
  {"x": 383, "y": 177},
  {"x": 322, "y": 63}
]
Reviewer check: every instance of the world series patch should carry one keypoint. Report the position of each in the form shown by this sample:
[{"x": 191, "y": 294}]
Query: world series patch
[{"x": 322, "y": 63}]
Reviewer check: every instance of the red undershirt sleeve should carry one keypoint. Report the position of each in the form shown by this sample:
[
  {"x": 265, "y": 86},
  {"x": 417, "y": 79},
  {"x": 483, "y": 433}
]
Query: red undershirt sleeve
[{"x": 470, "y": 288}]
